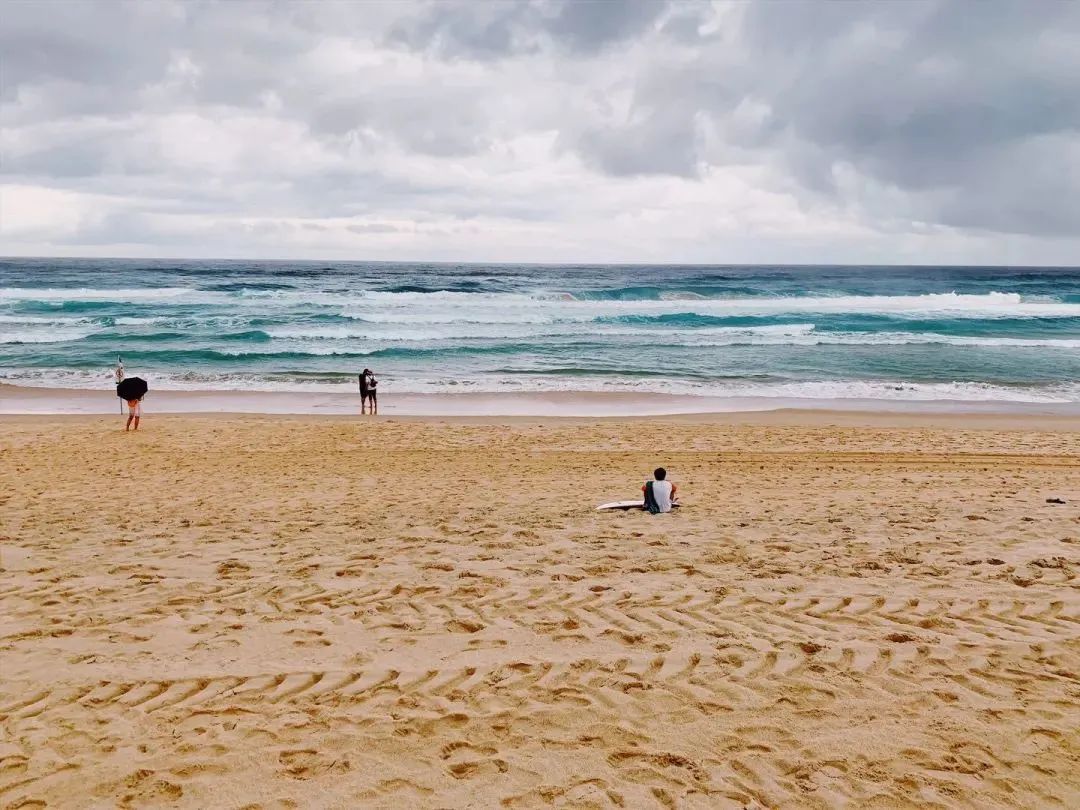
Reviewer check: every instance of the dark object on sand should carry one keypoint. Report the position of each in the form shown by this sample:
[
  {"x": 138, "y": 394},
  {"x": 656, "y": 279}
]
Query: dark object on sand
[
  {"x": 651, "y": 506},
  {"x": 132, "y": 388},
  {"x": 1054, "y": 500}
]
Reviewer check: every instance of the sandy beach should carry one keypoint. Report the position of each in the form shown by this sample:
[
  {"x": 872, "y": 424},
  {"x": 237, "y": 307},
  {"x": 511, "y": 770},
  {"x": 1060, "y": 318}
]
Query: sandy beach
[{"x": 292, "y": 612}]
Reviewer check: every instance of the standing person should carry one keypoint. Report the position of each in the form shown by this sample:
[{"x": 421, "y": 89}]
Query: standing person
[
  {"x": 132, "y": 390},
  {"x": 372, "y": 393},
  {"x": 134, "y": 412},
  {"x": 365, "y": 389}
]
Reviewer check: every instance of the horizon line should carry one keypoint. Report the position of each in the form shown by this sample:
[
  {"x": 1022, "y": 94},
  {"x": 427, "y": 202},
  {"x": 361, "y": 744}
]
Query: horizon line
[{"x": 542, "y": 263}]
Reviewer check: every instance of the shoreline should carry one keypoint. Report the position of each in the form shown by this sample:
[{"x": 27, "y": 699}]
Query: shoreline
[
  {"x": 805, "y": 417},
  {"x": 18, "y": 401}
]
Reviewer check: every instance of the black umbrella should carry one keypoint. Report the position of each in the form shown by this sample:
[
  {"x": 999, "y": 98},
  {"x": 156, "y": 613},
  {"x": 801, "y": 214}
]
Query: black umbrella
[{"x": 132, "y": 388}]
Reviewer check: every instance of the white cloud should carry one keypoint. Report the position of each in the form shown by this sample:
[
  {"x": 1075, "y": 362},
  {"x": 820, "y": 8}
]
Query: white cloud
[{"x": 35, "y": 214}]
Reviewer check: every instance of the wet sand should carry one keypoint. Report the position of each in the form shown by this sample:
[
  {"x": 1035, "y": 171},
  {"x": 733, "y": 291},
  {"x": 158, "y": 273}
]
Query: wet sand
[
  {"x": 562, "y": 404},
  {"x": 331, "y": 612}
]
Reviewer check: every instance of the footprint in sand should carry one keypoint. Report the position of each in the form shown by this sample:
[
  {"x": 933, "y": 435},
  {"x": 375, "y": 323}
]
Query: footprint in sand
[
  {"x": 464, "y": 626},
  {"x": 307, "y": 763},
  {"x": 486, "y": 644},
  {"x": 308, "y": 638},
  {"x": 478, "y": 767}
]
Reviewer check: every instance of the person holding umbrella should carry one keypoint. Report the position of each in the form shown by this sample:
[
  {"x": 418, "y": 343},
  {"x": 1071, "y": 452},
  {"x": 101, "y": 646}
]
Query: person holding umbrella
[{"x": 132, "y": 389}]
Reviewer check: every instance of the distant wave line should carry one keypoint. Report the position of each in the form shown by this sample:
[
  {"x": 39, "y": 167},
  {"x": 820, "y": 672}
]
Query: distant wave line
[{"x": 512, "y": 307}]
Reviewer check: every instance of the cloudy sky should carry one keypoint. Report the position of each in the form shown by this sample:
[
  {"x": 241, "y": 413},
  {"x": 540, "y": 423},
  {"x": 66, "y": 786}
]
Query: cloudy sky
[{"x": 642, "y": 131}]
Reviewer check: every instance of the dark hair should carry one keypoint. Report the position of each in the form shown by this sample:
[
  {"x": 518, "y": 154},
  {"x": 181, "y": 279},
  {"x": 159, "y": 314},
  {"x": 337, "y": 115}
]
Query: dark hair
[{"x": 660, "y": 473}]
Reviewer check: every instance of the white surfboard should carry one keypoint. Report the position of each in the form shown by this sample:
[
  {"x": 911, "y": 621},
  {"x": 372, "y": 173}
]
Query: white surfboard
[{"x": 624, "y": 505}]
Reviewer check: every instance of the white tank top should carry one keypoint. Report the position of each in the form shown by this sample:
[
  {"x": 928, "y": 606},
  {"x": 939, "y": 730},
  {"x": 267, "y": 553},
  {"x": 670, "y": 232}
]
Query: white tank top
[{"x": 661, "y": 490}]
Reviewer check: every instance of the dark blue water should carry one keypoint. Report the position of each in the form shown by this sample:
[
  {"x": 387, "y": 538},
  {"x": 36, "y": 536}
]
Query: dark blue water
[{"x": 962, "y": 333}]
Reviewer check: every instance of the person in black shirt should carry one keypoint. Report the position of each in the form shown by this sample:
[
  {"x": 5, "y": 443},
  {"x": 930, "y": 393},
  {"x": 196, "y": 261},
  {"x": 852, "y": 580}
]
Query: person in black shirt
[{"x": 368, "y": 383}]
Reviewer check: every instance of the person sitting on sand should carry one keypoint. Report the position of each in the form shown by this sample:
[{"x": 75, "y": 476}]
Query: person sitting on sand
[
  {"x": 660, "y": 494},
  {"x": 134, "y": 412}
]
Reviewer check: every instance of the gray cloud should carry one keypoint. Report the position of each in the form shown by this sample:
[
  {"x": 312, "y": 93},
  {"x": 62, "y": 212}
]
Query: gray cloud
[
  {"x": 585, "y": 27},
  {"x": 925, "y": 97},
  {"x": 502, "y": 28},
  {"x": 634, "y": 127}
]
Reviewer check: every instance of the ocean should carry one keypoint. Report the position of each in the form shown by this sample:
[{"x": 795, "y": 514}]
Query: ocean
[{"x": 986, "y": 334}]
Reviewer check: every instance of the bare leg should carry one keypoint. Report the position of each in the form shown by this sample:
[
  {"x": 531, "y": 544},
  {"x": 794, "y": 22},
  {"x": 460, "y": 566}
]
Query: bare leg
[
  {"x": 136, "y": 423},
  {"x": 127, "y": 427}
]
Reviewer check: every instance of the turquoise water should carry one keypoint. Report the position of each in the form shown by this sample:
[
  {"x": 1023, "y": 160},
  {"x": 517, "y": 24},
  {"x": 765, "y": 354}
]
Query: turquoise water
[{"x": 899, "y": 333}]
